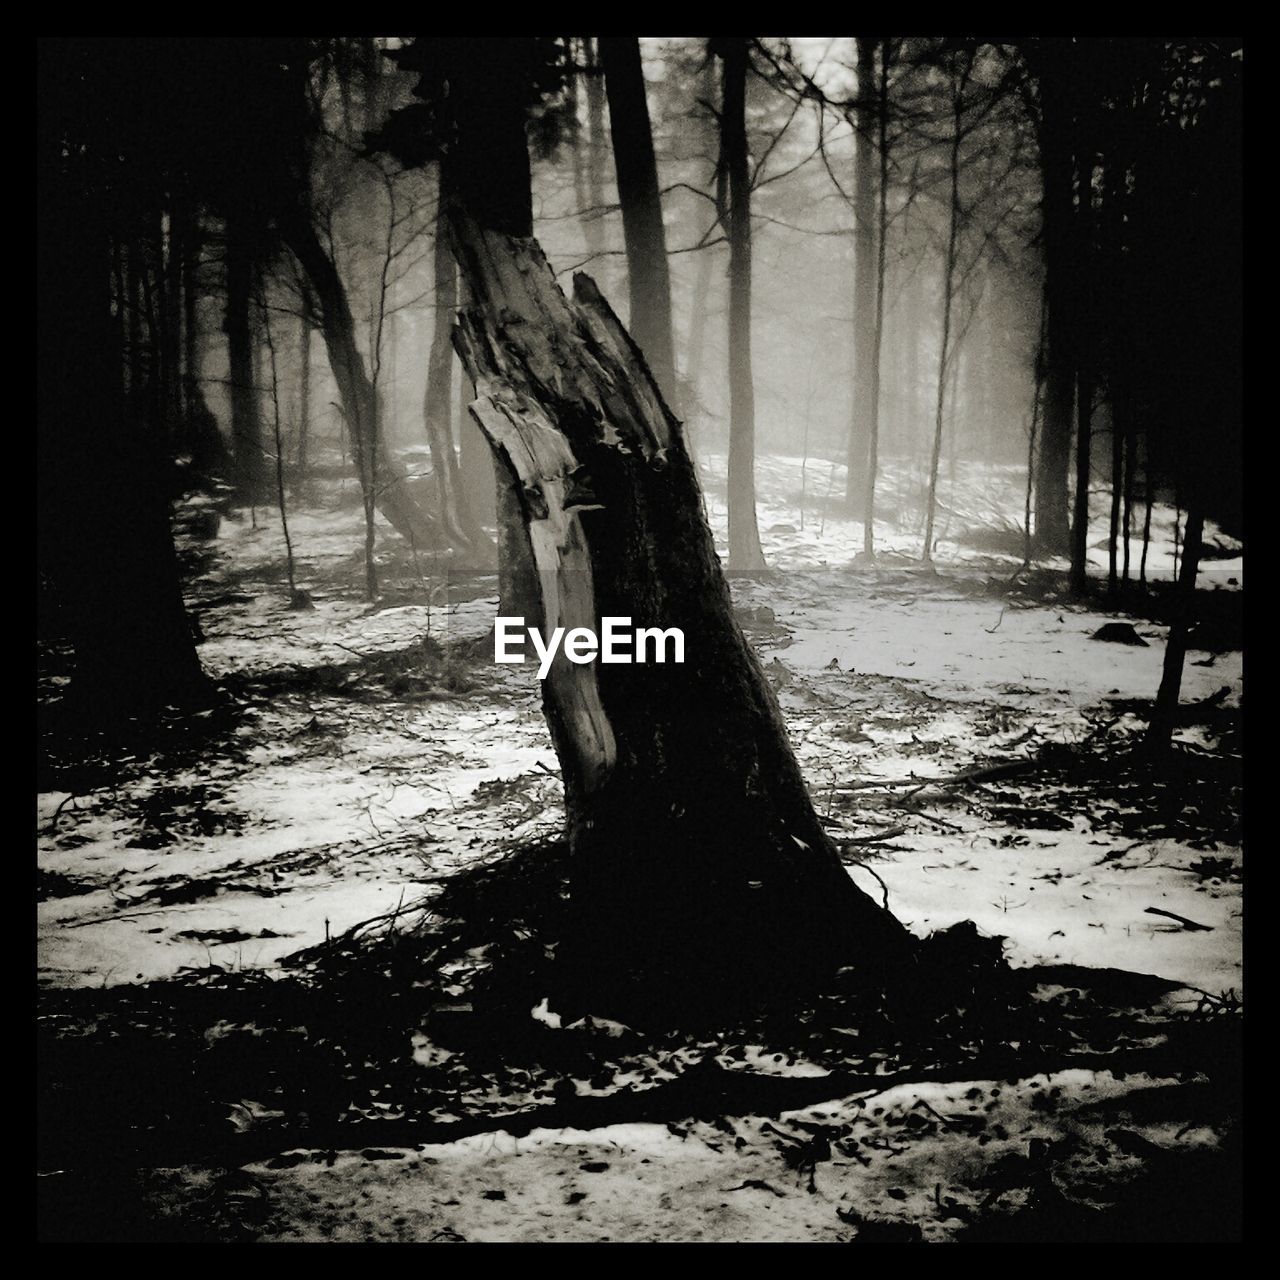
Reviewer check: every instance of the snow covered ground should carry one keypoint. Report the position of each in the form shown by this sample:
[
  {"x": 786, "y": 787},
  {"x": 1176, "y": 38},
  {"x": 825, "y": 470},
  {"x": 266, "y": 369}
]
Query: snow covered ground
[
  {"x": 335, "y": 809},
  {"x": 347, "y": 797}
]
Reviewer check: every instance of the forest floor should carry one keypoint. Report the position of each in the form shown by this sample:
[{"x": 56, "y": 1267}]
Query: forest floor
[{"x": 966, "y": 738}]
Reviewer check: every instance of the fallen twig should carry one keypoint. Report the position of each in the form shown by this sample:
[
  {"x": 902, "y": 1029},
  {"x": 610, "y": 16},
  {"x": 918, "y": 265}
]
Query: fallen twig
[
  {"x": 1182, "y": 920},
  {"x": 887, "y": 834}
]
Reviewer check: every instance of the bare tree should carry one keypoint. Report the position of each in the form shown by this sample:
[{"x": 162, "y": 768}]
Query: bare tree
[
  {"x": 648, "y": 277},
  {"x": 744, "y": 534}
]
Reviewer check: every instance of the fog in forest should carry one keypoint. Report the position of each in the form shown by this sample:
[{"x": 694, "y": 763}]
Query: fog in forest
[{"x": 899, "y": 898}]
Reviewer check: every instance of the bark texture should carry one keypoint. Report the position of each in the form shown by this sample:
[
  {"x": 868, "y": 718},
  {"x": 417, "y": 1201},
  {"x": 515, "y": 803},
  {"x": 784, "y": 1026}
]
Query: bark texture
[
  {"x": 744, "y": 533},
  {"x": 648, "y": 278},
  {"x": 1060, "y": 264}
]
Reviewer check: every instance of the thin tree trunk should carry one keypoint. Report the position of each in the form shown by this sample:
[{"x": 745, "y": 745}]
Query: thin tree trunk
[
  {"x": 170, "y": 241},
  {"x": 914, "y": 328},
  {"x": 1111, "y": 222},
  {"x": 1159, "y": 735},
  {"x": 487, "y": 173},
  {"x": 305, "y": 325},
  {"x": 695, "y": 340},
  {"x": 1084, "y": 347},
  {"x": 648, "y": 277},
  {"x": 744, "y": 535},
  {"x": 1113, "y": 529},
  {"x": 882, "y": 235},
  {"x": 1130, "y": 466},
  {"x": 864, "y": 284},
  {"x": 1149, "y": 503},
  {"x": 281, "y": 503},
  {"x": 593, "y": 224},
  {"x": 1080, "y": 521},
  {"x": 1052, "y": 528},
  {"x": 948, "y": 279},
  {"x": 1028, "y": 543},
  {"x": 246, "y": 418},
  {"x": 383, "y": 478},
  {"x": 209, "y": 456}
]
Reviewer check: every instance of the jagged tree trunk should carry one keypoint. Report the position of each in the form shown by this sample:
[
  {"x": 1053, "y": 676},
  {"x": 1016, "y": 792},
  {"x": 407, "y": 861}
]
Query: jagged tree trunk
[
  {"x": 697, "y": 859},
  {"x": 648, "y": 278},
  {"x": 382, "y": 475},
  {"x": 744, "y": 534},
  {"x": 864, "y": 281}
]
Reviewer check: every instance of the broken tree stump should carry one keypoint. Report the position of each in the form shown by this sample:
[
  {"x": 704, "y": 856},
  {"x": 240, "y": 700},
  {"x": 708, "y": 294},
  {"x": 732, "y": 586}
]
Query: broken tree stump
[{"x": 696, "y": 853}]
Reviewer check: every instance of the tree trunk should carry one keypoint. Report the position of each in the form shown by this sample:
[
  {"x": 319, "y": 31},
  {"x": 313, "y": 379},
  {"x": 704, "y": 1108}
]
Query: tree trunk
[
  {"x": 944, "y": 354},
  {"x": 1130, "y": 479},
  {"x": 209, "y": 456},
  {"x": 170, "y": 241},
  {"x": 1084, "y": 347},
  {"x": 698, "y": 863},
  {"x": 1052, "y": 530},
  {"x": 251, "y": 478},
  {"x": 593, "y": 218},
  {"x": 882, "y": 233},
  {"x": 696, "y": 340},
  {"x": 486, "y": 172},
  {"x": 1113, "y": 525},
  {"x": 1080, "y": 519},
  {"x": 1159, "y": 733},
  {"x": 744, "y": 534},
  {"x": 379, "y": 469},
  {"x": 913, "y": 317},
  {"x": 305, "y": 323},
  {"x": 864, "y": 282},
  {"x": 648, "y": 278}
]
